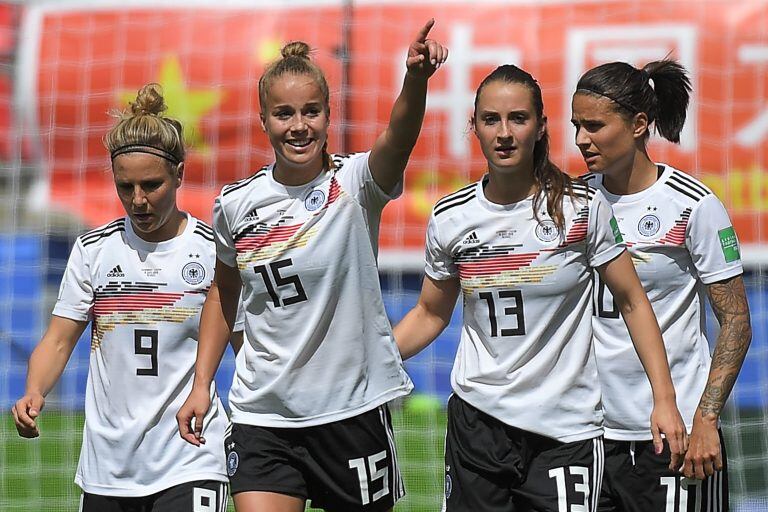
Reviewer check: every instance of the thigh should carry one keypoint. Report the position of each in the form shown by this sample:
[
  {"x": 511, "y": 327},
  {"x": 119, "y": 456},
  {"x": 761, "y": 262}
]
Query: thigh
[
  {"x": 482, "y": 465},
  {"x": 98, "y": 503},
  {"x": 199, "y": 496},
  {"x": 562, "y": 476},
  {"x": 261, "y": 459},
  {"x": 351, "y": 465}
]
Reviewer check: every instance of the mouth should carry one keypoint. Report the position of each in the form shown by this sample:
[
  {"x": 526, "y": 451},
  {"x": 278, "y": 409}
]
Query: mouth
[
  {"x": 505, "y": 150},
  {"x": 142, "y": 218},
  {"x": 590, "y": 157},
  {"x": 299, "y": 143}
]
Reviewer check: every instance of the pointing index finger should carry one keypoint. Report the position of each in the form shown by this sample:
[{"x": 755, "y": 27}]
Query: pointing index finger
[{"x": 424, "y": 32}]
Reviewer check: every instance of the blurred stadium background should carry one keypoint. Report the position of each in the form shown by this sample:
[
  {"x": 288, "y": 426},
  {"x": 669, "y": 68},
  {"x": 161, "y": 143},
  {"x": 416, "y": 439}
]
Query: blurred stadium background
[{"x": 65, "y": 63}]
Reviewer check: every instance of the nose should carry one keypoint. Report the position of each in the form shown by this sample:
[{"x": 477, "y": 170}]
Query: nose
[
  {"x": 582, "y": 139},
  {"x": 299, "y": 123},
  {"x": 139, "y": 197},
  {"x": 504, "y": 132}
]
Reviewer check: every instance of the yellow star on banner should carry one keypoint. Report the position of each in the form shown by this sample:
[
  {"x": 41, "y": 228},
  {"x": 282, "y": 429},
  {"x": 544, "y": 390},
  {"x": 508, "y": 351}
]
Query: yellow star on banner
[
  {"x": 189, "y": 106},
  {"x": 268, "y": 51}
]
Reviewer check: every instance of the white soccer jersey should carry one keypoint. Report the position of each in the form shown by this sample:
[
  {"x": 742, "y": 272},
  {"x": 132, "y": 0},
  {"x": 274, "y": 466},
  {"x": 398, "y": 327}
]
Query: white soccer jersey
[
  {"x": 144, "y": 300},
  {"x": 318, "y": 345},
  {"x": 680, "y": 238},
  {"x": 525, "y": 355}
]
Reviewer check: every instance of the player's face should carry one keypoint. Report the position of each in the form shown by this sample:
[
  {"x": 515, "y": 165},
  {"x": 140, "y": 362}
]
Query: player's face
[
  {"x": 295, "y": 118},
  {"x": 147, "y": 187},
  {"x": 507, "y": 126},
  {"x": 604, "y": 137}
]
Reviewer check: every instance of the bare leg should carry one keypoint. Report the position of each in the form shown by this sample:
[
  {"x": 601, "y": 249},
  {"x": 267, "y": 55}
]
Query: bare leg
[{"x": 258, "y": 501}]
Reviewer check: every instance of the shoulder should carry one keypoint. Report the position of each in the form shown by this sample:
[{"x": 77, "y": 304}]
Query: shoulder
[
  {"x": 244, "y": 184},
  {"x": 349, "y": 160},
  {"x": 453, "y": 202},
  {"x": 583, "y": 189},
  {"x": 102, "y": 233},
  {"x": 685, "y": 187},
  {"x": 202, "y": 230}
]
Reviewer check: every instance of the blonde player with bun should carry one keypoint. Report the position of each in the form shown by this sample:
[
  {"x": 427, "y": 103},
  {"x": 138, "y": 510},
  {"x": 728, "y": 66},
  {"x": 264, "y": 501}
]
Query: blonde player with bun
[
  {"x": 684, "y": 247},
  {"x": 140, "y": 281},
  {"x": 319, "y": 365}
]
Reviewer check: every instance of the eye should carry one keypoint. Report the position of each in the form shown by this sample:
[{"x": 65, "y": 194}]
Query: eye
[
  {"x": 313, "y": 112},
  {"x": 490, "y": 119},
  {"x": 152, "y": 185},
  {"x": 519, "y": 118},
  {"x": 124, "y": 187},
  {"x": 283, "y": 114}
]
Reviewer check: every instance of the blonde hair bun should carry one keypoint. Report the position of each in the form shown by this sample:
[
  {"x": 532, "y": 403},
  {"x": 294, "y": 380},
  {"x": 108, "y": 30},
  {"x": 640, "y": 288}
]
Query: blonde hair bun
[
  {"x": 296, "y": 49},
  {"x": 149, "y": 101}
]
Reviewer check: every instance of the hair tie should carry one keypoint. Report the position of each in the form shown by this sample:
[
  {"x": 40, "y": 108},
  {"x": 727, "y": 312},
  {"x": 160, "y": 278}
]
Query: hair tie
[
  {"x": 652, "y": 84},
  {"x": 145, "y": 148}
]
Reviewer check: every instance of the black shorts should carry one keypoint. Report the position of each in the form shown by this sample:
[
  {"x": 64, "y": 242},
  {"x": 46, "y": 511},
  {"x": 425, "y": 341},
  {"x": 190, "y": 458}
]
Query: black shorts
[
  {"x": 199, "y": 496},
  {"x": 637, "y": 480},
  {"x": 491, "y": 466},
  {"x": 348, "y": 465}
]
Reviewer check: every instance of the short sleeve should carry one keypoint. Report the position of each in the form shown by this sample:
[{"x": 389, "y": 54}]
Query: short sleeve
[
  {"x": 439, "y": 262},
  {"x": 356, "y": 178},
  {"x": 604, "y": 240},
  {"x": 712, "y": 242},
  {"x": 222, "y": 233},
  {"x": 76, "y": 295}
]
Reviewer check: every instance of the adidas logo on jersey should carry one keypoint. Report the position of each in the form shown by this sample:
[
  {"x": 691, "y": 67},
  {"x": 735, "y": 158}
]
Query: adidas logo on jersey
[
  {"x": 116, "y": 272},
  {"x": 471, "y": 239},
  {"x": 252, "y": 216}
]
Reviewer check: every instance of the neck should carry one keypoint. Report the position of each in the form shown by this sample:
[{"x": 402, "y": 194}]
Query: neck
[
  {"x": 293, "y": 176},
  {"x": 639, "y": 174},
  {"x": 509, "y": 188}
]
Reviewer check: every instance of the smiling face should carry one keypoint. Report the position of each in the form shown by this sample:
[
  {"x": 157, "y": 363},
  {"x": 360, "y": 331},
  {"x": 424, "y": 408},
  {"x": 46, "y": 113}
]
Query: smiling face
[
  {"x": 147, "y": 188},
  {"x": 606, "y": 138},
  {"x": 507, "y": 126},
  {"x": 296, "y": 118}
]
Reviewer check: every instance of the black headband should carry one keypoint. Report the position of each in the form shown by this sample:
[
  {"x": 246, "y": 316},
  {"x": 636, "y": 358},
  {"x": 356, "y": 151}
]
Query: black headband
[
  {"x": 144, "y": 148},
  {"x": 627, "y": 107}
]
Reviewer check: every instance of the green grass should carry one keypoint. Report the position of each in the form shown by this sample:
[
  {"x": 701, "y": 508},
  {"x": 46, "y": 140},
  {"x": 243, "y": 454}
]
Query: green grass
[{"x": 38, "y": 474}]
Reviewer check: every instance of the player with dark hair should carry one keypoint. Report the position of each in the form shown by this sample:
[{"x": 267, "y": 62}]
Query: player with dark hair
[
  {"x": 684, "y": 247},
  {"x": 520, "y": 246}
]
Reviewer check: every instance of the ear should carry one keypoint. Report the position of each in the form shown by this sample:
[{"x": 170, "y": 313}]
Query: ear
[
  {"x": 640, "y": 125},
  {"x": 472, "y": 126},
  {"x": 179, "y": 174},
  {"x": 542, "y": 128},
  {"x": 261, "y": 122}
]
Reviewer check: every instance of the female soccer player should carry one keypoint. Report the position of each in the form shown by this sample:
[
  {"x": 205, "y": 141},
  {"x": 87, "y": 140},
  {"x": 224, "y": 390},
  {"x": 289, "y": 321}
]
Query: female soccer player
[
  {"x": 141, "y": 280},
  {"x": 319, "y": 363},
  {"x": 524, "y": 422},
  {"x": 683, "y": 245}
]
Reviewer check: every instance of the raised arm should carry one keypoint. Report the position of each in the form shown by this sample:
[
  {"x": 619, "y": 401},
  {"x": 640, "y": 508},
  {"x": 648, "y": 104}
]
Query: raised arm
[
  {"x": 620, "y": 277},
  {"x": 393, "y": 147},
  {"x": 428, "y": 318},
  {"x": 729, "y": 302},
  {"x": 46, "y": 365},
  {"x": 216, "y": 322}
]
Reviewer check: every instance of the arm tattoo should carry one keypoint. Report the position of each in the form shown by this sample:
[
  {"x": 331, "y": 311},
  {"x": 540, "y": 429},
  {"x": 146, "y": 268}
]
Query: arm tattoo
[{"x": 729, "y": 302}]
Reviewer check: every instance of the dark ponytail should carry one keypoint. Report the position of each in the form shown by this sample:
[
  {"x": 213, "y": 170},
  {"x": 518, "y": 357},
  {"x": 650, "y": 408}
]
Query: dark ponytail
[
  {"x": 551, "y": 182},
  {"x": 661, "y": 90}
]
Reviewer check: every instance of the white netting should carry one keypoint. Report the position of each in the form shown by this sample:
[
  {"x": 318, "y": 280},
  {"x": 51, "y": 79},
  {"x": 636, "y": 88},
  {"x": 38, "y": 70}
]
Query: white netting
[{"x": 66, "y": 63}]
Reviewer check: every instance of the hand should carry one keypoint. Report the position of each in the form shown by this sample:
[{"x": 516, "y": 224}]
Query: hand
[
  {"x": 666, "y": 419},
  {"x": 196, "y": 407},
  {"x": 425, "y": 55},
  {"x": 24, "y": 413},
  {"x": 703, "y": 457}
]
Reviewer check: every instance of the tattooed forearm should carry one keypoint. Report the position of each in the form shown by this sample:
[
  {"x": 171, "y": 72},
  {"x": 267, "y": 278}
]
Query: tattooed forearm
[{"x": 729, "y": 302}]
